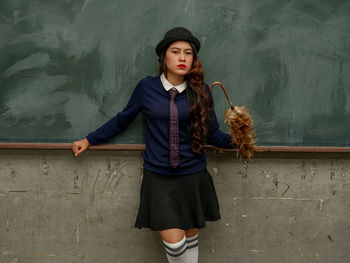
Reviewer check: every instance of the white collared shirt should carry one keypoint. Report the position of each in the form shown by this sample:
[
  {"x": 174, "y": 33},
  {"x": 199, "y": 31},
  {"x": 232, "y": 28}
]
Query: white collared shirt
[{"x": 167, "y": 85}]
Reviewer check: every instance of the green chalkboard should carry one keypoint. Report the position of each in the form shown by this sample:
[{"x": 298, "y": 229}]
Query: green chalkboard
[{"x": 68, "y": 66}]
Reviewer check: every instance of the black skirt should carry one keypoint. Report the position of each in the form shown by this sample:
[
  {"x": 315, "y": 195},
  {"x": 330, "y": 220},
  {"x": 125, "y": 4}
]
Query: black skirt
[{"x": 184, "y": 202}]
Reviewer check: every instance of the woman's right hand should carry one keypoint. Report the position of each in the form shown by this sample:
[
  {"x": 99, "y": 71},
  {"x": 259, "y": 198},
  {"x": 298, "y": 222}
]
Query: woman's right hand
[{"x": 80, "y": 146}]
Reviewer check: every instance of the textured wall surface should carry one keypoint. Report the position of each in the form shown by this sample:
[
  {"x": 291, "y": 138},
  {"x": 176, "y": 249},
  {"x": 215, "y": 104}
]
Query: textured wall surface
[{"x": 280, "y": 208}]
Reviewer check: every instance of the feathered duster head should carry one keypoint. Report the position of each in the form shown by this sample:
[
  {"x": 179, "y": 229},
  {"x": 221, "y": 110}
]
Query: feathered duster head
[{"x": 241, "y": 130}]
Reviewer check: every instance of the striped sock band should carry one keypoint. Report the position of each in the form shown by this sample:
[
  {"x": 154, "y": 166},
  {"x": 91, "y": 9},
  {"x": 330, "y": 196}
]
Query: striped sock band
[
  {"x": 176, "y": 252},
  {"x": 192, "y": 242}
]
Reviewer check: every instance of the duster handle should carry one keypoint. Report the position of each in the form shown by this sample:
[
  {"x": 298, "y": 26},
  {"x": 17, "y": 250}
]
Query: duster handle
[{"x": 223, "y": 89}]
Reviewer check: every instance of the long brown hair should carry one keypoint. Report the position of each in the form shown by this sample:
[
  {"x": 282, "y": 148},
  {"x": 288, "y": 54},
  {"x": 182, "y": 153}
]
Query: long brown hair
[{"x": 199, "y": 100}]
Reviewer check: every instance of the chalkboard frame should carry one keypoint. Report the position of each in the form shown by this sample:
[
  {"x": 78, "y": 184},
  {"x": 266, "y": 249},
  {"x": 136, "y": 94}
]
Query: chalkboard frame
[{"x": 141, "y": 147}]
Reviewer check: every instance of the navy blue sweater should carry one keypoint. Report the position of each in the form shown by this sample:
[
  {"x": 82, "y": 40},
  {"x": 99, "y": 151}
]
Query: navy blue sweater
[{"x": 150, "y": 96}]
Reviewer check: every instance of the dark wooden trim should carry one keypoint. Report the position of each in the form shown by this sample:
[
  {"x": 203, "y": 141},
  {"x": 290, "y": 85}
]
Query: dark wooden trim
[
  {"x": 140, "y": 147},
  {"x": 301, "y": 149},
  {"x": 68, "y": 146}
]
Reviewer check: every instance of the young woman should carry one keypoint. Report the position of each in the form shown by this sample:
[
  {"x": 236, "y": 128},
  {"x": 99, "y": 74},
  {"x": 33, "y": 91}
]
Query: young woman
[{"x": 177, "y": 192}]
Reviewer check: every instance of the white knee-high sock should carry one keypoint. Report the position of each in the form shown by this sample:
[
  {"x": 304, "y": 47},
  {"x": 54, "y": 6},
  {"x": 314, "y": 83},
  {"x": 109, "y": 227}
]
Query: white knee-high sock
[
  {"x": 177, "y": 252},
  {"x": 192, "y": 248}
]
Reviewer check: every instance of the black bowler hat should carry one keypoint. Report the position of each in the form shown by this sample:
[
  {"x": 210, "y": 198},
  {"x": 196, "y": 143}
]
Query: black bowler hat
[{"x": 175, "y": 34}]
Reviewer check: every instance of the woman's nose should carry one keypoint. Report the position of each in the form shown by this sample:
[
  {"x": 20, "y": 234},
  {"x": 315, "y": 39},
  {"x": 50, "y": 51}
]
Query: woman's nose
[{"x": 182, "y": 57}]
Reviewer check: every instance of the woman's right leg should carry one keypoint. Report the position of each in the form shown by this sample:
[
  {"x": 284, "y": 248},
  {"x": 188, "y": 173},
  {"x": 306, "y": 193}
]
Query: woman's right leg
[
  {"x": 192, "y": 244},
  {"x": 175, "y": 245}
]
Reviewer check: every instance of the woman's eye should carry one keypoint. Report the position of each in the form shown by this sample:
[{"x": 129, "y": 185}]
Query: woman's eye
[
  {"x": 189, "y": 53},
  {"x": 175, "y": 52}
]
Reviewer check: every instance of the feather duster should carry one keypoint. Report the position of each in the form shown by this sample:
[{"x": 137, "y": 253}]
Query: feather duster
[{"x": 241, "y": 127}]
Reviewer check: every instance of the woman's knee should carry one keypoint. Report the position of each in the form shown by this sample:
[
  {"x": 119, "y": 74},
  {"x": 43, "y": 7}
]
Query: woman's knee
[
  {"x": 172, "y": 235},
  {"x": 191, "y": 232}
]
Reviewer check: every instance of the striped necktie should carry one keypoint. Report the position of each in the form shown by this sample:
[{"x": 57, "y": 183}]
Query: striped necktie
[{"x": 173, "y": 130}]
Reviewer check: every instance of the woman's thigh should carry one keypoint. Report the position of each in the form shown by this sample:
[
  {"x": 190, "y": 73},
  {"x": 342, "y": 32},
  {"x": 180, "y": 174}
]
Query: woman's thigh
[
  {"x": 172, "y": 235},
  {"x": 175, "y": 235},
  {"x": 191, "y": 232}
]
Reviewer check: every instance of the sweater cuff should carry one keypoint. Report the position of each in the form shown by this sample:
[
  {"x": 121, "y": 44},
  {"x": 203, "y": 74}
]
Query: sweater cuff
[{"x": 90, "y": 139}]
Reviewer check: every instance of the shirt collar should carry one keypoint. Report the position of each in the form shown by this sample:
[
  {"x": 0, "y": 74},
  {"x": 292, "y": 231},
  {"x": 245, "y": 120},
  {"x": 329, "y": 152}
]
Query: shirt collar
[{"x": 167, "y": 85}]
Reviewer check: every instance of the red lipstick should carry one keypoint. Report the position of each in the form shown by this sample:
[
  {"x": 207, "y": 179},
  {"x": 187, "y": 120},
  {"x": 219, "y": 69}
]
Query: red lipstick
[{"x": 181, "y": 66}]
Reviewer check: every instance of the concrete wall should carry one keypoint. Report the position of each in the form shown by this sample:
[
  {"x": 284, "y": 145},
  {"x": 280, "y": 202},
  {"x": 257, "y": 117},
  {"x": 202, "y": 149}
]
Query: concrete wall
[{"x": 280, "y": 208}]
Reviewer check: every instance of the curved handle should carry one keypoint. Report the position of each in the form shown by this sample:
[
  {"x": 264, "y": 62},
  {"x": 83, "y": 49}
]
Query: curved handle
[{"x": 223, "y": 89}]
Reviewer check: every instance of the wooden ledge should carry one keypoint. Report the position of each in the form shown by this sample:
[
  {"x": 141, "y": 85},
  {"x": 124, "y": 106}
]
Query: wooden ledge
[{"x": 141, "y": 147}]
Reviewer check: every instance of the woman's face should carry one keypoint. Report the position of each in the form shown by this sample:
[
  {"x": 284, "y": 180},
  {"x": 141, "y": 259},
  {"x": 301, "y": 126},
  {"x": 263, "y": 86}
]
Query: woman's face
[{"x": 179, "y": 58}]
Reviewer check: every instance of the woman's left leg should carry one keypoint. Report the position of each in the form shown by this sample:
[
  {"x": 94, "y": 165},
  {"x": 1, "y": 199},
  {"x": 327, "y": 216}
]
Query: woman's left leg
[{"x": 192, "y": 244}]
